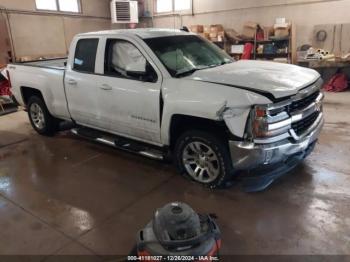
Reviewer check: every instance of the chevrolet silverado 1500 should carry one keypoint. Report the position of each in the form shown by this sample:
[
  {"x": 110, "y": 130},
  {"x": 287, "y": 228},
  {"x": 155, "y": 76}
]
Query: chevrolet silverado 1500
[{"x": 164, "y": 93}]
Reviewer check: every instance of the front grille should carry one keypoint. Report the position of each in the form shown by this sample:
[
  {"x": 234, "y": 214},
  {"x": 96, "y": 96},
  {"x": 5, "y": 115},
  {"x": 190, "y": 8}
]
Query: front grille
[
  {"x": 301, "y": 126},
  {"x": 303, "y": 103}
]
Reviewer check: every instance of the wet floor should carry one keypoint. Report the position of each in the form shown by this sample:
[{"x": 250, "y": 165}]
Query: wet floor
[{"x": 65, "y": 195}]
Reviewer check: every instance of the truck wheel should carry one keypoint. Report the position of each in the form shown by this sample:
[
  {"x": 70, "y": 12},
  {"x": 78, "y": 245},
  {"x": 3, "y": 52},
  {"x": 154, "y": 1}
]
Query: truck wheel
[
  {"x": 40, "y": 118},
  {"x": 203, "y": 158}
]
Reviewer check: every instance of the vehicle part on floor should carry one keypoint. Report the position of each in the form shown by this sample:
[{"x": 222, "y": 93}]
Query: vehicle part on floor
[{"x": 177, "y": 230}]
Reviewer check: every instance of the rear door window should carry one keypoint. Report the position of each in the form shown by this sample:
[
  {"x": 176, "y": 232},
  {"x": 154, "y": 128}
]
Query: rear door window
[{"x": 85, "y": 55}]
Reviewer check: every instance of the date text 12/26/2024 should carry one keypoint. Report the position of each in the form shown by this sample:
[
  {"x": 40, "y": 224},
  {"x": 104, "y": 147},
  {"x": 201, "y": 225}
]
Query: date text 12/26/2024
[{"x": 173, "y": 258}]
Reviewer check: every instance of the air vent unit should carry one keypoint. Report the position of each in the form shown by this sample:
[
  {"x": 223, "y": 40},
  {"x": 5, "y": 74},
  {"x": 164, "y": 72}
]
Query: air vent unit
[{"x": 124, "y": 11}]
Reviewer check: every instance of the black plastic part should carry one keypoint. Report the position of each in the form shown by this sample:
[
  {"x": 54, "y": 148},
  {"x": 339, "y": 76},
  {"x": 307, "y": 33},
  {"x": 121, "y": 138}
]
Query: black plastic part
[
  {"x": 176, "y": 229},
  {"x": 185, "y": 29},
  {"x": 66, "y": 125},
  {"x": 176, "y": 222}
]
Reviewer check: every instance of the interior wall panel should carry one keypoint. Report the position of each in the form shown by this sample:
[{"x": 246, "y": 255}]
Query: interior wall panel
[
  {"x": 40, "y": 33},
  {"x": 73, "y": 26},
  {"x": 210, "y": 5},
  {"x": 5, "y": 45},
  {"x": 28, "y": 5},
  {"x": 305, "y": 14},
  {"x": 37, "y": 35}
]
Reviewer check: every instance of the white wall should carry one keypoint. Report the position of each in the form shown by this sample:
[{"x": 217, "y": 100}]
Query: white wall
[
  {"x": 233, "y": 13},
  {"x": 40, "y": 33}
]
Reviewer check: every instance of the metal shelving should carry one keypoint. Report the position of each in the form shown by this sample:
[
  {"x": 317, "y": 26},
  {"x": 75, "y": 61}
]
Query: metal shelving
[{"x": 288, "y": 42}]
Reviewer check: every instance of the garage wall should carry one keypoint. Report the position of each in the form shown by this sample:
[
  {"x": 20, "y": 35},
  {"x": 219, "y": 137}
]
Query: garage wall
[
  {"x": 41, "y": 33},
  {"x": 233, "y": 13},
  {"x": 5, "y": 45}
]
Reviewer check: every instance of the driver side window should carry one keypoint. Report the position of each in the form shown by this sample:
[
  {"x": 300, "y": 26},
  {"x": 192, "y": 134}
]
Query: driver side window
[{"x": 123, "y": 59}]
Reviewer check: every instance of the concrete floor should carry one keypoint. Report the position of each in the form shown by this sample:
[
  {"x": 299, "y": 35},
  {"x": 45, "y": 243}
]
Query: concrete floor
[{"x": 64, "y": 195}]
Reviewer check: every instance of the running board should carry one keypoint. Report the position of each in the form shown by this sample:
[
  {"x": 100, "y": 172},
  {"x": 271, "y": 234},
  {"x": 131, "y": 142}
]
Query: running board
[
  {"x": 66, "y": 125},
  {"x": 120, "y": 143}
]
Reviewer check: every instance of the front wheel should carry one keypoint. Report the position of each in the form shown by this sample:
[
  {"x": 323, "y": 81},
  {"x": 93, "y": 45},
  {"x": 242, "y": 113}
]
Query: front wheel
[
  {"x": 40, "y": 117},
  {"x": 203, "y": 158}
]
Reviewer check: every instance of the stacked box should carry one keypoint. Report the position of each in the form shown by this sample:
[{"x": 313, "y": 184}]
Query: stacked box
[
  {"x": 198, "y": 29},
  {"x": 281, "y": 32},
  {"x": 281, "y": 28},
  {"x": 217, "y": 33},
  {"x": 268, "y": 31},
  {"x": 249, "y": 30}
]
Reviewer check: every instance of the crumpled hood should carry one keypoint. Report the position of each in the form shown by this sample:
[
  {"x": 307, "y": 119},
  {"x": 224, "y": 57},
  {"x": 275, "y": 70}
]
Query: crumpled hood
[{"x": 280, "y": 80}]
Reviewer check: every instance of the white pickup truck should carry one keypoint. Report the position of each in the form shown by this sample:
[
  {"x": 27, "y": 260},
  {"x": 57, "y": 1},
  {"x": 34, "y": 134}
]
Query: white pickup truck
[{"x": 168, "y": 93}]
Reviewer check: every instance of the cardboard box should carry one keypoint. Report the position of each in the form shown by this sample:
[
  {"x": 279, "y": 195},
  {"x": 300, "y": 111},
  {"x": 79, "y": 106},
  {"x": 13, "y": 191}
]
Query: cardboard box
[
  {"x": 283, "y": 26},
  {"x": 213, "y": 35},
  {"x": 281, "y": 32},
  {"x": 221, "y": 36},
  {"x": 249, "y": 30},
  {"x": 216, "y": 28},
  {"x": 281, "y": 20},
  {"x": 268, "y": 31},
  {"x": 205, "y": 35},
  {"x": 197, "y": 28},
  {"x": 232, "y": 35},
  {"x": 206, "y": 29},
  {"x": 237, "y": 49}
]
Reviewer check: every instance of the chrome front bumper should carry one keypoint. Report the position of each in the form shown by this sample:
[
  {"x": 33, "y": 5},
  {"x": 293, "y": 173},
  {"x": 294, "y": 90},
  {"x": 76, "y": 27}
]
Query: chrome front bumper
[{"x": 249, "y": 156}]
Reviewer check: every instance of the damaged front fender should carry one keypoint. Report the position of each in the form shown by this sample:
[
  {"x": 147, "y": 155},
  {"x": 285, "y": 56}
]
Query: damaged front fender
[{"x": 236, "y": 119}]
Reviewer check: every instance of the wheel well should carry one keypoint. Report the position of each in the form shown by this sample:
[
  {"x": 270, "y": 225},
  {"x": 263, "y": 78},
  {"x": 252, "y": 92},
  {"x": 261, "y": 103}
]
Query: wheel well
[
  {"x": 28, "y": 92},
  {"x": 183, "y": 123}
]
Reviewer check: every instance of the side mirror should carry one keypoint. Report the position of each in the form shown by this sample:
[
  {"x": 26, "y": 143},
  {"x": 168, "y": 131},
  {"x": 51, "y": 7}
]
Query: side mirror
[{"x": 143, "y": 72}]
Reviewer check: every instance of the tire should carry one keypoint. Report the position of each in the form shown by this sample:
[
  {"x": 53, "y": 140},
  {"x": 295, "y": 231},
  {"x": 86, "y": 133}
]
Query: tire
[
  {"x": 40, "y": 118},
  {"x": 197, "y": 149}
]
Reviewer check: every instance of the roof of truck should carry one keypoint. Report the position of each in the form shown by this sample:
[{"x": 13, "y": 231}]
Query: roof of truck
[{"x": 143, "y": 33}]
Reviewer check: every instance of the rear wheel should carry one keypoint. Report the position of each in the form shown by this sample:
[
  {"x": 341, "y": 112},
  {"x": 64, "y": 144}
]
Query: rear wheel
[
  {"x": 40, "y": 118},
  {"x": 203, "y": 158}
]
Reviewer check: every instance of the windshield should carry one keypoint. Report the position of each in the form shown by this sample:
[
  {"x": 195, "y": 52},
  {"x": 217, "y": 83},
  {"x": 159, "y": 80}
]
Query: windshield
[{"x": 185, "y": 54}]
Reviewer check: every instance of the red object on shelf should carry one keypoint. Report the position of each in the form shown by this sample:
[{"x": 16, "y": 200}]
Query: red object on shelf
[
  {"x": 247, "y": 51},
  {"x": 5, "y": 88},
  {"x": 338, "y": 83},
  {"x": 260, "y": 35}
]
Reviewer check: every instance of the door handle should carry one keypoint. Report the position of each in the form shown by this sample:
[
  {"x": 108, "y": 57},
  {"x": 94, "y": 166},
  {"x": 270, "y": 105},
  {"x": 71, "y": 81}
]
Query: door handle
[
  {"x": 106, "y": 87},
  {"x": 72, "y": 82}
]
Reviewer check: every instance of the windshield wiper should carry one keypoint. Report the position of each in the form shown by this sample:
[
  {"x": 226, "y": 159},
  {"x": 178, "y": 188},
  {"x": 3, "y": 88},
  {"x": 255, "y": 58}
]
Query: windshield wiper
[
  {"x": 220, "y": 64},
  {"x": 191, "y": 71},
  {"x": 187, "y": 73}
]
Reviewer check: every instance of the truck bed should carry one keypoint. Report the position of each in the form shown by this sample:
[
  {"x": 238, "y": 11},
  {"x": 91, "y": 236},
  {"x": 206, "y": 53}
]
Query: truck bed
[
  {"x": 57, "y": 63},
  {"x": 45, "y": 76}
]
